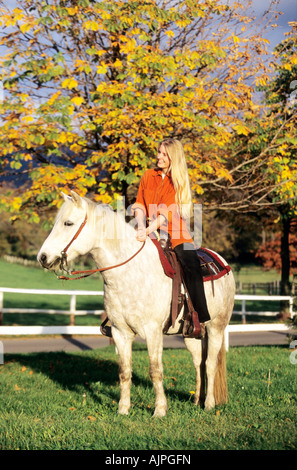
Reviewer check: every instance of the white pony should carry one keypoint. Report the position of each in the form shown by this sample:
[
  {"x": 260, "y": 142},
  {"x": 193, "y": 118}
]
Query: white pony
[{"x": 137, "y": 297}]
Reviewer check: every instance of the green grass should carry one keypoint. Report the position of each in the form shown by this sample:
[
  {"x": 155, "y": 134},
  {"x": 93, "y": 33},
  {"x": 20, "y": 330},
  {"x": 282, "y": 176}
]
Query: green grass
[
  {"x": 54, "y": 401},
  {"x": 254, "y": 274}
]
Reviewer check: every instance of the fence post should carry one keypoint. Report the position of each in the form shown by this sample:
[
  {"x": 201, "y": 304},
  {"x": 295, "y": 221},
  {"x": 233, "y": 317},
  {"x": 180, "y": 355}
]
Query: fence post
[
  {"x": 243, "y": 311},
  {"x": 291, "y": 307},
  {"x": 1, "y": 307},
  {"x": 72, "y": 309}
]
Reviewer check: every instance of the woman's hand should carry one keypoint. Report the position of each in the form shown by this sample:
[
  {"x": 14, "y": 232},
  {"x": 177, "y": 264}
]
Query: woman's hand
[{"x": 141, "y": 234}]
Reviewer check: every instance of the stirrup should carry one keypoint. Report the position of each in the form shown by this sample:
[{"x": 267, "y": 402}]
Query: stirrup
[
  {"x": 193, "y": 328},
  {"x": 105, "y": 330}
]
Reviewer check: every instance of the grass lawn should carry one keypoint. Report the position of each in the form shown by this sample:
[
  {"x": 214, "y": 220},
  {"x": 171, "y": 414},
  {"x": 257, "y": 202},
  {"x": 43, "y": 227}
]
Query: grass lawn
[
  {"x": 255, "y": 274},
  {"x": 56, "y": 401}
]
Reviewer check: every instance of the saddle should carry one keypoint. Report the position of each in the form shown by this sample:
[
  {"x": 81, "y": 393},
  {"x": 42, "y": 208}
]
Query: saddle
[{"x": 212, "y": 268}]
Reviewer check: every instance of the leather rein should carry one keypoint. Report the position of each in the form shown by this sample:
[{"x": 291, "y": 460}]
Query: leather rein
[{"x": 90, "y": 271}]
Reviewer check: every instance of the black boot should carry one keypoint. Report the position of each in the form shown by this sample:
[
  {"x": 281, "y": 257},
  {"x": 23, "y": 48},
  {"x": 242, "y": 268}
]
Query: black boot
[{"x": 193, "y": 279}]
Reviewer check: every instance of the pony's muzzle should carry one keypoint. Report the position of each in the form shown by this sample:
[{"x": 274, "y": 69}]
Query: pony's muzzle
[
  {"x": 45, "y": 263},
  {"x": 42, "y": 259}
]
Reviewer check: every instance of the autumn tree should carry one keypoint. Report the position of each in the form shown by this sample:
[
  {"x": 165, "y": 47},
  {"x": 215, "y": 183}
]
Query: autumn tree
[
  {"x": 280, "y": 95},
  {"x": 91, "y": 87},
  {"x": 264, "y": 168},
  {"x": 270, "y": 251}
]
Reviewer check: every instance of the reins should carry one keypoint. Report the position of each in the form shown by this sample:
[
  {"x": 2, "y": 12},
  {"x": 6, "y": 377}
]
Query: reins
[{"x": 90, "y": 271}]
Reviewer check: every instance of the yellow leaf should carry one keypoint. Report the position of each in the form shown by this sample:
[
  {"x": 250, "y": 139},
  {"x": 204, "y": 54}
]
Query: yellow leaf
[
  {"x": 287, "y": 66},
  {"x": 69, "y": 83},
  {"x": 118, "y": 63},
  {"x": 62, "y": 137},
  {"x": 102, "y": 68},
  {"x": 25, "y": 27},
  {"x": 92, "y": 25},
  {"x": 169, "y": 33},
  {"x": 16, "y": 203},
  {"x": 72, "y": 11},
  {"x": 77, "y": 100},
  {"x": 54, "y": 97},
  {"x": 241, "y": 129},
  {"x": 27, "y": 119}
]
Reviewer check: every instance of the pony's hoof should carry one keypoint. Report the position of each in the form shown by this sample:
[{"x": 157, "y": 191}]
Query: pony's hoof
[
  {"x": 209, "y": 405},
  {"x": 160, "y": 413},
  {"x": 123, "y": 409}
]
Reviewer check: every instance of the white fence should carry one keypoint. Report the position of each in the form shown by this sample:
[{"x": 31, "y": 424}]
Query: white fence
[
  {"x": 94, "y": 330},
  {"x": 72, "y": 308},
  {"x": 245, "y": 298}
]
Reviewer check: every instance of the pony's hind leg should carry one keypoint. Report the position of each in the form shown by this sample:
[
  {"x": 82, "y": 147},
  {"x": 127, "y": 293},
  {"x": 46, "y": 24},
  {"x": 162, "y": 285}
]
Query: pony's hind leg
[
  {"x": 217, "y": 392},
  {"x": 154, "y": 340},
  {"x": 196, "y": 348},
  {"x": 124, "y": 347}
]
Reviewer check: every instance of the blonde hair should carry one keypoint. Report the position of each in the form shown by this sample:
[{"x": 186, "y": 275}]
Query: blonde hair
[{"x": 179, "y": 175}]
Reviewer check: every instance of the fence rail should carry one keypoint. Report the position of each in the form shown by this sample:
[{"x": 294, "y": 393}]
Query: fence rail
[
  {"x": 94, "y": 330},
  {"x": 245, "y": 297},
  {"x": 72, "y": 307}
]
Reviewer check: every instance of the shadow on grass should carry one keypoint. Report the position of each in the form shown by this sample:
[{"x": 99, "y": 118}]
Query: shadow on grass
[
  {"x": 79, "y": 372},
  {"x": 71, "y": 371}
]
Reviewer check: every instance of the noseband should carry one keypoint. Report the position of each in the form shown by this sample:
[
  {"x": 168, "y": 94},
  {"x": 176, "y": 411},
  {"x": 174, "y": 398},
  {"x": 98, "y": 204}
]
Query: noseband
[{"x": 91, "y": 271}]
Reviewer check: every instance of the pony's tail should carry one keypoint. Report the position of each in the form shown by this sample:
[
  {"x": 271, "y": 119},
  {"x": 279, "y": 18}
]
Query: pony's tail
[{"x": 220, "y": 383}]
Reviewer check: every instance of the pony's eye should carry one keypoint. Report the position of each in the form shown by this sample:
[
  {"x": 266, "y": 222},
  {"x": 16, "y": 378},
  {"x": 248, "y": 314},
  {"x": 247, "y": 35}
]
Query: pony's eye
[{"x": 68, "y": 223}]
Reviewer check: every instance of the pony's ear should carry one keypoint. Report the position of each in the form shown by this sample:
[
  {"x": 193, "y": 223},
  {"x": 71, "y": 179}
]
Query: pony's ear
[
  {"x": 76, "y": 199},
  {"x": 65, "y": 197}
]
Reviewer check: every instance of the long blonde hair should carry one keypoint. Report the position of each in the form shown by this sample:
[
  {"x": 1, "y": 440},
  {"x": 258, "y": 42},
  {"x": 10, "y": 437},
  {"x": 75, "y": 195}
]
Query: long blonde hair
[{"x": 180, "y": 176}]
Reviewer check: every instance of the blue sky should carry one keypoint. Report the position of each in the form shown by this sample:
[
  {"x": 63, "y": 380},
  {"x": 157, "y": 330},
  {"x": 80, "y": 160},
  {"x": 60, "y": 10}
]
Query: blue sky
[{"x": 289, "y": 9}]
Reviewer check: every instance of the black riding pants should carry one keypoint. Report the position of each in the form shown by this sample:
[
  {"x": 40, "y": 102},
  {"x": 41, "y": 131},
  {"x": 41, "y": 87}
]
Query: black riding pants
[{"x": 188, "y": 258}]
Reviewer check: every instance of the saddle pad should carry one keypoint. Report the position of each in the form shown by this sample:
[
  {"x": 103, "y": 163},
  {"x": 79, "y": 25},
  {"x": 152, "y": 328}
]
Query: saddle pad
[
  {"x": 168, "y": 269},
  {"x": 212, "y": 266}
]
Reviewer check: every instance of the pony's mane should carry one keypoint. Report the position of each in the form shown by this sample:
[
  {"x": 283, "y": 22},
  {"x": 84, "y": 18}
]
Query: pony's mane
[
  {"x": 111, "y": 223},
  {"x": 115, "y": 226}
]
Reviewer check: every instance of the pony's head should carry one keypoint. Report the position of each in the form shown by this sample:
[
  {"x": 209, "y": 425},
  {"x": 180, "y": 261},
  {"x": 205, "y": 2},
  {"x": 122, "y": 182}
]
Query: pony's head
[{"x": 71, "y": 235}]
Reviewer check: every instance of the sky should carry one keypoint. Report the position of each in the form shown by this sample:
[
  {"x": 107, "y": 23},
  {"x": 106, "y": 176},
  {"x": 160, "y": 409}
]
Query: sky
[{"x": 289, "y": 9}]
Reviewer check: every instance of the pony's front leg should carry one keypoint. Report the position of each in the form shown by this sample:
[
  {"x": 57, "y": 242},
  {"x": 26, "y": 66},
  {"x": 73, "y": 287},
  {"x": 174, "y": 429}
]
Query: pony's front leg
[
  {"x": 154, "y": 339},
  {"x": 124, "y": 347}
]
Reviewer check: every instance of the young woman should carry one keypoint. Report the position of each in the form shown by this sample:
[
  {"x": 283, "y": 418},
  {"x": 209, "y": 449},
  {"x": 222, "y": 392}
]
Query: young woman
[{"x": 164, "y": 200}]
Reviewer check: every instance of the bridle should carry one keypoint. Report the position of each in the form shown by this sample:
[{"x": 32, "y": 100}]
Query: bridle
[
  {"x": 64, "y": 252},
  {"x": 89, "y": 272}
]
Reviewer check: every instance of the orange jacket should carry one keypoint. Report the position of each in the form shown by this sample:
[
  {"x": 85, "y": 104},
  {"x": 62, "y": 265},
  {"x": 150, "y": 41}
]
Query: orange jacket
[{"x": 156, "y": 196}]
